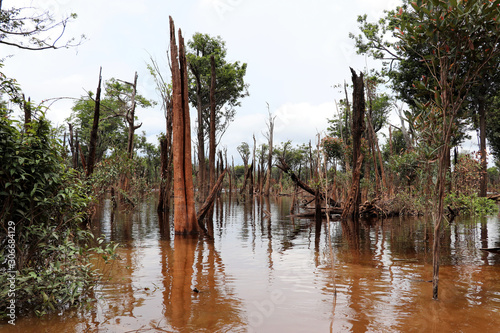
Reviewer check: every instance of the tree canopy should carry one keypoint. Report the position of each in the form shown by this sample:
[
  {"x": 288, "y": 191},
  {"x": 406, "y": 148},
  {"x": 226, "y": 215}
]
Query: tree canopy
[{"x": 230, "y": 83}]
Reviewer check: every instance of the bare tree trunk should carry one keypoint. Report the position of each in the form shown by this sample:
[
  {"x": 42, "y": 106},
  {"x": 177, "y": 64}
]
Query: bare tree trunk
[
  {"x": 166, "y": 154},
  {"x": 77, "y": 149},
  {"x": 483, "y": 188},
  {"x": 131, "y": 119},
  {"x": 436, "y": 247},
  {"x": 185, "y": 221},
  {"x": 358, "y": 127},
  {"x": 208, "y": 204},
  {"x": 27, "y": 113},
  {"x": 95, "y": 127},
  {"x": 202, "y": 188},
  {"x": 270, "y": 126},
  {"x": 71, "y": 145},
  {"x": 252, "y": 178},
  {"x": 211, "y": 150}
]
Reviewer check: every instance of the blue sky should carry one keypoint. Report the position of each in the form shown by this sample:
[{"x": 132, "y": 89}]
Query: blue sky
[{"x": 295, "y": 51}]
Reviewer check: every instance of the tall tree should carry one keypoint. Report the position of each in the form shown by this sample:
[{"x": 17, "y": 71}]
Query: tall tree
[
  {"x": 231, "y": 88},
  {"x": 404, "y": 66},
  {"x": 463, "y": 38},
  {"x": 114, "y": 127}
]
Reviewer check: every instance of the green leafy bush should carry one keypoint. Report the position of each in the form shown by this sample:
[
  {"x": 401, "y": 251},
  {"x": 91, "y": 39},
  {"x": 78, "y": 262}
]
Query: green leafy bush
[
  {"x": 46, "y": 202},
  {"x": 471, "y": 204}
]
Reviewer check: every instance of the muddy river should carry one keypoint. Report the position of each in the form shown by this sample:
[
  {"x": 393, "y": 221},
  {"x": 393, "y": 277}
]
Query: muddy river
[{"x": 266, "y": 272}]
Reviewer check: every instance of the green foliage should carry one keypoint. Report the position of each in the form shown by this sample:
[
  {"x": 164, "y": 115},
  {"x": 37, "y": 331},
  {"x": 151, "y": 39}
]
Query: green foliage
[
  {"x": 47, "y": 203},
  {"x": 405, "y": 166},
  {"x": 113, "y": 128},
  {"x": 494, "y": 177},
  {"x": 244, "y": 151},
  {"x": 493, "y": 125},
  {"x": 471, "y": 204},
  {"x": 109, "y": 173},
  {"x": 333, "y": 147},
  {"x": 230, "y": 83}
]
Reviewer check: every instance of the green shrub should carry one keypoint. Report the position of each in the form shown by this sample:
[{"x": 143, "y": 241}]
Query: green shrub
[
  {"x": 45, "y": 205},
  {"x": 471, "y": 204}
]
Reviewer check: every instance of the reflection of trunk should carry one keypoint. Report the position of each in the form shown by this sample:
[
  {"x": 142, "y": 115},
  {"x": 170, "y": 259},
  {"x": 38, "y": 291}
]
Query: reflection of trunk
[
  {"x": 184, "y": 212},
  {"x": 95, "y": 126},
  {"x": 483, "y": 187},
  {"x": 184, "y": 253}
]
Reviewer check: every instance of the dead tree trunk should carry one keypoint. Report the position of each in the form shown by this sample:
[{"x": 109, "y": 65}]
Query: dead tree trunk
[
  {"x": 184, "y": 212},
  {"x": 166, "y": 157},
  {"x": 131, "y": 119},
  {"x": 483, "y": 186},
  {"x": 72, "y": 145},
  {"x": 95, "y": 127},
  {"x": 202, "y": 188},
  {"x": 211, "y": 149},
  {"x": 77, "y": 149},
  {"x": 252, "y": 178},
  {"x": 245, "y": 179},
  {"x": 208, "y": 204},
  {"x": 27, "y": 113},
  {"x": 351, "y": 208},
  {"x": 270, "y": 127}
]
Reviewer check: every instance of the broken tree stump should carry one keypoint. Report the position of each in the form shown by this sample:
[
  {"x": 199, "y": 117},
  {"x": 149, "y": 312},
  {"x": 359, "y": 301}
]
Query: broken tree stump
[{"x": 185, "y": 221}]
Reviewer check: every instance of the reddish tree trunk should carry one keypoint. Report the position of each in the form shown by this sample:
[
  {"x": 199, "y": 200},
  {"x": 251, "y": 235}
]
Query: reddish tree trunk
[{"x": 184, "y": 211}]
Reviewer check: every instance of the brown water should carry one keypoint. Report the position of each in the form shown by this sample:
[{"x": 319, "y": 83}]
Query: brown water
[{"x": 269, "y": 273}]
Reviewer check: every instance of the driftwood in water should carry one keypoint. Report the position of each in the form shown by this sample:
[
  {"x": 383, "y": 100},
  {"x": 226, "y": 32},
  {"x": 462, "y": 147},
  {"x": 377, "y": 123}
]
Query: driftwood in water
[
  {"x": 491, "y": 249},
  {"x": 495, "y": 197},
  {"x": 202, "y": 212},
  {"x": 286, "y": 169}
]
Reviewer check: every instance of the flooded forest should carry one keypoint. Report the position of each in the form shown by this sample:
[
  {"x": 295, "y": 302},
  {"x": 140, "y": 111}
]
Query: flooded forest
[{"x": 383, "y": 222}]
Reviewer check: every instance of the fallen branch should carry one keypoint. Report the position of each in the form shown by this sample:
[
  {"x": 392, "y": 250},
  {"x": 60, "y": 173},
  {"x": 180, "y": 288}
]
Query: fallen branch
[
  {"x": 286, "y": 169},
  {"x": 202, "y": 212}
]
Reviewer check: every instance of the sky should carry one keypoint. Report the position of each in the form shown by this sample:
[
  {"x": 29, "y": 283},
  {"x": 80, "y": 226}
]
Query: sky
[{"x": 296, "y": 51}]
